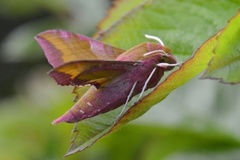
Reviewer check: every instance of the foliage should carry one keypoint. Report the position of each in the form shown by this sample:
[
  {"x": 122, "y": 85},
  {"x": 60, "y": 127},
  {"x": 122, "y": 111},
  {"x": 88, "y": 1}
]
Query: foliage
[
  {"x": 134, "y": 26},
  {"x": 183, "y": 25}
]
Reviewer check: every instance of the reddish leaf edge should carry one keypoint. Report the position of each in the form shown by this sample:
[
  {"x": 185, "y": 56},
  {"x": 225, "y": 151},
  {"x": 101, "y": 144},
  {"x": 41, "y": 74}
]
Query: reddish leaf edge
[
  {"x": 220, "y": 80},
  {"x": 103, "y": 32}
]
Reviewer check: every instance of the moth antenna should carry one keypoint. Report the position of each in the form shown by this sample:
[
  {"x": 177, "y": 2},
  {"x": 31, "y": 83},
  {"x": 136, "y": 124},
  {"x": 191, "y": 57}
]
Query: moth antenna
[
  {"x": 146, "y": 83},
  {"x": 154, "y": 38},
  {"x": 128, "y": 98},
  {"x": 151, "y": 52},
  {"x": 165, "y": 65}
]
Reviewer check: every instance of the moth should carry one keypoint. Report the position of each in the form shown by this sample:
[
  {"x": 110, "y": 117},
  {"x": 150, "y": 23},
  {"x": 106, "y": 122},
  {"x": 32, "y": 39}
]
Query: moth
[{"x": 114, "y": 75}]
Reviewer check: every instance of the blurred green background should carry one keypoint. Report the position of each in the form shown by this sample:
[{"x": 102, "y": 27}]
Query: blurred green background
[{"x": 198, "y": 121}]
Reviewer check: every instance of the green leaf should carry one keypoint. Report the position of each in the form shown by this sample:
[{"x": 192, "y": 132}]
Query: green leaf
[
  {"x": 182, "y": 25},
  {"x": 161, "y": 142},
  {"x": 225, "y": 64},
  {"x": 188, "y": 70},
  {"x": 119, "y": 9},
  {"x": 88, "y": 131}
]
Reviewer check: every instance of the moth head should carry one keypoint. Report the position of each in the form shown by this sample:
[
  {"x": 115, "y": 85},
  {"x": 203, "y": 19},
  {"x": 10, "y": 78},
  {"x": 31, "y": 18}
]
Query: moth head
[
  {"x": 169, "y": 60},
  {"x": 166, "y": 60}
]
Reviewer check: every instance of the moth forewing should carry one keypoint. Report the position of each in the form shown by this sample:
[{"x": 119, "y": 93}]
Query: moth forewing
[{"x": 115, "y": 75}]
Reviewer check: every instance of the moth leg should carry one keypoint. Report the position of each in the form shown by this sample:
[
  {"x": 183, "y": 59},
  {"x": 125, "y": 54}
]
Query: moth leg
[
  {"x": 165, "y": 65},
  {"x": 146, "y": 83},
  {"x": 128, "y": 98}
]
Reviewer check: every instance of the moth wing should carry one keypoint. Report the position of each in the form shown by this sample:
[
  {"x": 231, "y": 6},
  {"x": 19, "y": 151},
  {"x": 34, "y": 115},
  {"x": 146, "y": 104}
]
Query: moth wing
[
  {"x": 93, "y": 72},
  {"x": 61, "y": 47}
]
